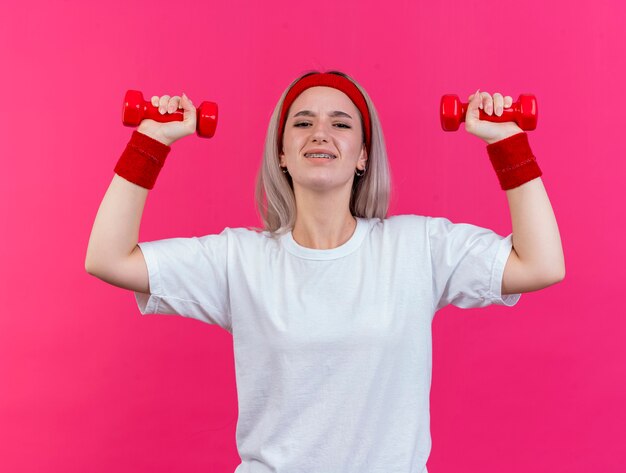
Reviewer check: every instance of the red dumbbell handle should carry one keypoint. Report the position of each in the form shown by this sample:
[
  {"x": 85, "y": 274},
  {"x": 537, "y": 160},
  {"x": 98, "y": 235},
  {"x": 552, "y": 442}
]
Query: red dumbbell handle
[{"x": 137, "y": 109}]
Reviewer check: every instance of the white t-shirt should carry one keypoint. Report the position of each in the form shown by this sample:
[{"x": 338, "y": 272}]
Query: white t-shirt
[{"x": 332, "y": 347}]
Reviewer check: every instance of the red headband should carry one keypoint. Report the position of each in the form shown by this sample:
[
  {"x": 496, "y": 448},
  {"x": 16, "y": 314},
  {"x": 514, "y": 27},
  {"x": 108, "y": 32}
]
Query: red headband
[{"x": 328, "y": 80}]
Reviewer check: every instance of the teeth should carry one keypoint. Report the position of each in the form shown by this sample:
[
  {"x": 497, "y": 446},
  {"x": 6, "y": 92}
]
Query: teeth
[{"x": 319, "y": 155}]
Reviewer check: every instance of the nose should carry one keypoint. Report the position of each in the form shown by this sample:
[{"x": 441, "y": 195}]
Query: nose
[{"x": 319, "y": 132}]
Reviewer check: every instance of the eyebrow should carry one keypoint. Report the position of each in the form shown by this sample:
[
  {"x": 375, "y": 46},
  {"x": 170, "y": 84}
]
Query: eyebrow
[{"x": 309, "y": 113}]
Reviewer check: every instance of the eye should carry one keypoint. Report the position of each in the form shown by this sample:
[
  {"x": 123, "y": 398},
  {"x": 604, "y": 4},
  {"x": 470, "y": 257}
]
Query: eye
[{"x": 305, "y": 124}]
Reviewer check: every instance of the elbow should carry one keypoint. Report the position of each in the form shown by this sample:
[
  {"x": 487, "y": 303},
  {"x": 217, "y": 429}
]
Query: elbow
[
  {"x": 88, "y": 269},
  {"x": 92, "y": 264},
  {"x": 561, "y": 273},
  {"x": 549, "y": 275},
  {"x": 556, "y": 272},
  {"x": 88, "y": 262},
  {"x": 556, "y": 276}
]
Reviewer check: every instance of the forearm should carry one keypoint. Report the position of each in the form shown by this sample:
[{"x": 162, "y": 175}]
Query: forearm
[
  {"x": 115, "y": 232},
  {"x": 536, "y": 238}
]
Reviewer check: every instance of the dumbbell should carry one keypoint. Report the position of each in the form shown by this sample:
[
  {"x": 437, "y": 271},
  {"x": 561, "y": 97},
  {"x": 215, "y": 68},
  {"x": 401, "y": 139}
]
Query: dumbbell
[
  {"x": 136, "y": 109},
  {"x": 523, "y": 112}
]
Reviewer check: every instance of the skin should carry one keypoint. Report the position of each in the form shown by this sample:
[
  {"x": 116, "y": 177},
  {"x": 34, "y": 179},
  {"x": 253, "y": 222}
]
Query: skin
[
  {"x": 492, "y": 105},
  {"x": 322, "y": 187}
]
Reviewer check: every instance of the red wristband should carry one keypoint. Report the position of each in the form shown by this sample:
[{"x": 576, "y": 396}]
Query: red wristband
[
  {"x": 513, "y": 161},
  {"x": 142, "y": 160}
]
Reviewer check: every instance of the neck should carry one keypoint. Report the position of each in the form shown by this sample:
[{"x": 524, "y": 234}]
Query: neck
[{"x": 323, "y": 221}]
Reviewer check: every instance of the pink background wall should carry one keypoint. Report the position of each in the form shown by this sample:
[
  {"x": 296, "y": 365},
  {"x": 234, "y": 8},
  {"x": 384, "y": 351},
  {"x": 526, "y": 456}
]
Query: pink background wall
[{"x": 88, "y": 384}]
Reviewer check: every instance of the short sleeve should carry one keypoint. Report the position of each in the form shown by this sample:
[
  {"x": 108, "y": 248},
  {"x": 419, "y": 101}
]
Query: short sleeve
[
  {"x": 188, "y": 277},
  {"x": 468, "y": 264}
]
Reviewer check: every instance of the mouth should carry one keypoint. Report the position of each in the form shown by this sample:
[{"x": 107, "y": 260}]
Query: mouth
[{"x": 320, "y": 156}]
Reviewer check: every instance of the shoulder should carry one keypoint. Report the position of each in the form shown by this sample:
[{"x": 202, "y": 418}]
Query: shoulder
[
  {"x": 431, "y": 227},
  {"x": 242, "y": 232},
  {"x": 234, "y": 235},
  {"x": 250, "y": 237},
  {"x": 404, "y": 220},
  {"x": 399, "y": 227},
  {"x": 444, "y": 227},
  {"x": 401, "y": 223}
]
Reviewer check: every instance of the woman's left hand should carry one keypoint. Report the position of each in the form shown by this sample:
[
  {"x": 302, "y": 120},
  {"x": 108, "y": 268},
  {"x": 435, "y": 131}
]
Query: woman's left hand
[{"x": 484, "y": 129}]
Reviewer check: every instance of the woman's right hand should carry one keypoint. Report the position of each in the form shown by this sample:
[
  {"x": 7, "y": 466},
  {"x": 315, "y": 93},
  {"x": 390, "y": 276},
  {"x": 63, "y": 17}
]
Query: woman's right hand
[{"x": 169, "y": 132}]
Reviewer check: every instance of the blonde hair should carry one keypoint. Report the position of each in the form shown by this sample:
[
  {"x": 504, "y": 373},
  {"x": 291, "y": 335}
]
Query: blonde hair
[{"x": 275, "y": 199}]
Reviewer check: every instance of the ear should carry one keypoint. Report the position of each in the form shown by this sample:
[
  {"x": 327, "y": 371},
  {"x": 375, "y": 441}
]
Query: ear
[
  {"x": 281, "y": 156},
  {"x": 363, "y": 156}
]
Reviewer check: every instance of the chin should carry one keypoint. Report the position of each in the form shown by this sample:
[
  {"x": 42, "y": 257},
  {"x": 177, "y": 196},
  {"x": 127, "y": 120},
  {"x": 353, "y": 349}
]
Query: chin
[{"x": 322, "y": 183}]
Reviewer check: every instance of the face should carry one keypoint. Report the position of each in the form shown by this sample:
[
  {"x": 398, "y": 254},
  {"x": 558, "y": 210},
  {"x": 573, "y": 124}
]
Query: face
[{"x": 325, "y": 120}]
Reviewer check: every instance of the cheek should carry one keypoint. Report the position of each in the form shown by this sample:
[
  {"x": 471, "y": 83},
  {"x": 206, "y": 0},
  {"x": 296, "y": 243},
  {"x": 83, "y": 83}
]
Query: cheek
[
  {"x": 351, "y": 146},
  {"x": 292, "y": 142}
]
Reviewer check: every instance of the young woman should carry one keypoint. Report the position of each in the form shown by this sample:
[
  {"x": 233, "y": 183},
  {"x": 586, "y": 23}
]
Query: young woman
[{"x": 330, "y": 304}]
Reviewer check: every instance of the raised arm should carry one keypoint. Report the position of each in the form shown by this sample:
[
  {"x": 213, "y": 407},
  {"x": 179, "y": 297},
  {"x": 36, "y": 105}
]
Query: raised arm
[
  {"x": 536, "y": 260},
  {"x": 112, "y": 252}
]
